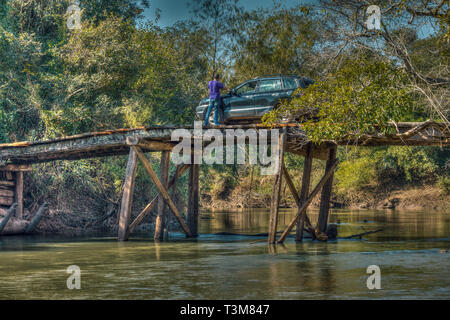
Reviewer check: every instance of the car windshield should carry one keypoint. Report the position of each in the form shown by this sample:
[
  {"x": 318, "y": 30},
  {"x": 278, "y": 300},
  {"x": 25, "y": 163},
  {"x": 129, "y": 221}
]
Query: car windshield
[
  {"x": 270, "y": 85},
  {"x": 249, "y": 87},
  {"x": 290, "y": 83}
]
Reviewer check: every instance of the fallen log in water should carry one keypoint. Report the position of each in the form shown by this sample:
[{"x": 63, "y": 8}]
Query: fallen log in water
[
  {"x": 10, "y": 225},
  {"x": 9, "y": 214},
  {"x": 37, "y": 218}
]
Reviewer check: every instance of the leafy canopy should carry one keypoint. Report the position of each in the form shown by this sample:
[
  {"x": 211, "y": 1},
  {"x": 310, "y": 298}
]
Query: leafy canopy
[{"x": 361, "y": 94}]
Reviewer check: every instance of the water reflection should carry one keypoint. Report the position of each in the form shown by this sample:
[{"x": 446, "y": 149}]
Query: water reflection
[{"x": 411, "y": 252}]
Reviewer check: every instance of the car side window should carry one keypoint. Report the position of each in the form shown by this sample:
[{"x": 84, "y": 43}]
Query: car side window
[
  {"x": 289, "y": 83},
  {"x": 270, "y": 85},
  {"x": 248, "y": 88}
]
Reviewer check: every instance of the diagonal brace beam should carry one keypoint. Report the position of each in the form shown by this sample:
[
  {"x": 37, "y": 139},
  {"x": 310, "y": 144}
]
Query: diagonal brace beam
[
  {"x": 296, "y": 196},
  {"x": 162, "y": 190},
  {"x": 301, "y": 211},
  {"x": 153, "y": 203}
]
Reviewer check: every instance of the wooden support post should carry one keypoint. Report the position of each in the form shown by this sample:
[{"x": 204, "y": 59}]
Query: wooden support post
[
  {"x": 161, "y": 215},
  {"x": 306, "y": 181},
  {"x": 326, "y": 194},
  {"x": 153, "y": 203},
  {"x": 162, "y": 190},
  {"x": 127, "y": 197},
  {"x": 296, "y": 197},
  {"x": 174, "y": 191},
  {"x": 18, "y": 194},
  {"x": 275, "y": 203},
  {"x": 193, "y": 200},
  {"x": 301, "y": 211}
]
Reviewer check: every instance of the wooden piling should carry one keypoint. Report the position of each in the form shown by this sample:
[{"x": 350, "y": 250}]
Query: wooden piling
[
  {"x": 162, "y": 190},
  {"x": 302, "y": 210},
  {"x": 306, "y": 181},
  {"x": 193, "y": 198},
  {"x": 161, "y": 215},
  {"x": 127, "y": 197},
  {"x": 173, "y": 195},
  {"x": 326, "y": 194},
  {"x": 149, "y": 207},
  {"x": 275, "y": 202},
  {"x": 18, "y": 194}
]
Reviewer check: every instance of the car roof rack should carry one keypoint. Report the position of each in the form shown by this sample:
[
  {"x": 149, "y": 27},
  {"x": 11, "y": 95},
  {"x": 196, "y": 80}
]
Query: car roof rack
[{"x": 277, "y": 75}]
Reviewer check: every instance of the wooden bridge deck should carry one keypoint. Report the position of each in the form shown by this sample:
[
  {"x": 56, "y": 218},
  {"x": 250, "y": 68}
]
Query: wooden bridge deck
[{"x": 114, "y": 142}]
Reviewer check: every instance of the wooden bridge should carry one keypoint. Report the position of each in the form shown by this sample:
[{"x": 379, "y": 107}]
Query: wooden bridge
[{"x": 18, "y": 158}]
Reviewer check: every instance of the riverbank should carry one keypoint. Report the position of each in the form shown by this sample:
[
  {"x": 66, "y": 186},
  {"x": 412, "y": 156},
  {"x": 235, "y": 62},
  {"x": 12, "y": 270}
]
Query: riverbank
[
  {"x": 418, "y": 198},
  {"x": 84, "y": 220}
]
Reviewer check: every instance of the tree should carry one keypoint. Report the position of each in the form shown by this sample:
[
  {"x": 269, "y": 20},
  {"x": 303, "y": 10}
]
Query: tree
[
  {"x": 362, "y": 93},
  {"x": 275, "y": 41},
  {"x": 346, "y": 24},
  {"x": 216, "y": 17}
]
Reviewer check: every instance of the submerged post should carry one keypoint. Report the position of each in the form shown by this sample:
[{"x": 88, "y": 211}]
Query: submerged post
[
  {"x": 161, "y": 214},
  {"x": 127, "y": 197},
  {"x": 18, "y": 194},
  {"x": 326, "y": 193},
  {"x": 193, "y": 200},
  {"x": 306, "y": 181},
  {"x": 275, "y": 202}
]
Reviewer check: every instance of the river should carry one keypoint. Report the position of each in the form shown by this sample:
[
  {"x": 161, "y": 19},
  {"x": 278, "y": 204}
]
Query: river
[{"x": 412, "y": 253}]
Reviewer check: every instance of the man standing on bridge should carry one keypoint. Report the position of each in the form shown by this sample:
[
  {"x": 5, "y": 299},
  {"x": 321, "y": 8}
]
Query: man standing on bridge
[{"x": 214, "y": 99}]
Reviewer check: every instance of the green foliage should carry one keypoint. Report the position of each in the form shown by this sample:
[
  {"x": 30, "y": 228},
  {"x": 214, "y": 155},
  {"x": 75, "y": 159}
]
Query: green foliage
[
  {"x": 361, "y": 94},
  {"x": 274, "y": 41},
  {"x": 356, "y": 174}
]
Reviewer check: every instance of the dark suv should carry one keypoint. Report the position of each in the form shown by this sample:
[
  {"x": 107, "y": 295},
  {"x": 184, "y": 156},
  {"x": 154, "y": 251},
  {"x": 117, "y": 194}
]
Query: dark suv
[{"x": 249, "y": 101}]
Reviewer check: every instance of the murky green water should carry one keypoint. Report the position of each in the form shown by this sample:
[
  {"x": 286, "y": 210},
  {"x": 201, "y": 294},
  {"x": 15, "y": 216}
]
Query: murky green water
[{"x": 410, "y": 252}]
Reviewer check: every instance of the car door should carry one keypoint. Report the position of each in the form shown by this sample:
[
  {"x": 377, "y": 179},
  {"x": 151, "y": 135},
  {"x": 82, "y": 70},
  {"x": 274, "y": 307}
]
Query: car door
[
  {"x": 240, "y": 104},
  {"x": 269, "y": 92}
]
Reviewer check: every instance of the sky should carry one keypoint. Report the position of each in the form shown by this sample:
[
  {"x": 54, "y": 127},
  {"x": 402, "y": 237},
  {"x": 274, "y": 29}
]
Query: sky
[{"x": 174, "y": 10}]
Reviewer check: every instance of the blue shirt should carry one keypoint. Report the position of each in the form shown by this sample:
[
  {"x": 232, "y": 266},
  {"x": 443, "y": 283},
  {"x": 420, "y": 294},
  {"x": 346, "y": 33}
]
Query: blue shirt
[{"x": 214, "y": 89}]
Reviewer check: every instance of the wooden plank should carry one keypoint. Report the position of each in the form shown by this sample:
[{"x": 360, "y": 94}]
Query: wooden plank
[
  {"x": 162, "y": 190},
  {"x": 6, "y": 193},
  {"x": 6, "y": 201},
  {"x": 9, "y": 175},
  {"x": 18, "y": 194},
  {"x": 127, "y": 196},
  {"x": 308, "y": 201},
  {"x": 193, "y": 198},
  {"x": 161, "y": 215},
  {"x": 275, "y": 202},
  {"x": 306, "y": 182},
  {"x": 153, "y": 203},
  {"x": 149, "y": 145},
  {"x": 14, "y": 168},
  {"x": 7, "y": 183},
  {"x": 326, "y": 194}
]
